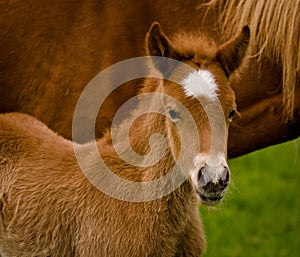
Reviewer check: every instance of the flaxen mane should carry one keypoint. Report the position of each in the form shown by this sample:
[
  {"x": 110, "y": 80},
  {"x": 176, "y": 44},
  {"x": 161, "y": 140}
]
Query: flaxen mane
[{"x": 277, "y": 36}]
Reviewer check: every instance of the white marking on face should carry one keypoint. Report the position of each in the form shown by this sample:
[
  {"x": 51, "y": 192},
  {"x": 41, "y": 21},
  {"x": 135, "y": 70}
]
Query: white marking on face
[{"x": 200, "y": 83}]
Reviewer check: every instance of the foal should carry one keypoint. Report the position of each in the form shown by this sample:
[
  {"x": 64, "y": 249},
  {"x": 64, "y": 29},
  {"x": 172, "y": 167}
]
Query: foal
[{"x": 48, "y": 207}]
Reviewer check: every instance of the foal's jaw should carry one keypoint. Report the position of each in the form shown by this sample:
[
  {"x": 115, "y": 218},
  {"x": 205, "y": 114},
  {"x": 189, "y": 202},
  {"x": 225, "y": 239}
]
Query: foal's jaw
[{"x": 210, "y": 180}]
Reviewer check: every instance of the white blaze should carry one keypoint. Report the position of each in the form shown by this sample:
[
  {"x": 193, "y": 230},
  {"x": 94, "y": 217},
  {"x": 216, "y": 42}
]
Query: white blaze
[{"x": 200, "y": 83}]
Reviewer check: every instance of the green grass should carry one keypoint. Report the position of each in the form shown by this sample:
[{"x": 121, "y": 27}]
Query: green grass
[{"x": 261, "y": 214}]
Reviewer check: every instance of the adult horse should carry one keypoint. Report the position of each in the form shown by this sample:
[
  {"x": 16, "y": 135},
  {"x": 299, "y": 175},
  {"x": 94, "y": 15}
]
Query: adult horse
[{"x": 51, "y": 50}]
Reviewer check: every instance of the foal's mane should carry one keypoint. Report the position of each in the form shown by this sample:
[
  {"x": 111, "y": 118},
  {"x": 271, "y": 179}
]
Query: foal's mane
[{"x": 275, "y": 24}]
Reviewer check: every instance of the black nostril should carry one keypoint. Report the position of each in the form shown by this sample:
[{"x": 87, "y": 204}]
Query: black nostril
[
  {"x": 225, "y": 179},
  {"x": 227, "y": 176},
  {"x": 200, "y": 174},
  {"x": 201, "y": 177}
]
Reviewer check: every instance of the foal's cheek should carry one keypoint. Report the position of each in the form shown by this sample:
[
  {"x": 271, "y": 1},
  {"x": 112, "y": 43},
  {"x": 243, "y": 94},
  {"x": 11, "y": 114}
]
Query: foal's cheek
[{"x": 174, "y": 138}]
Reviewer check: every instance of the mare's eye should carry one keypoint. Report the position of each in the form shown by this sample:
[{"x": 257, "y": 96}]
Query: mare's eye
[
  {"x": 174, "y": 116},
  {"x": 231, "y": 115}
]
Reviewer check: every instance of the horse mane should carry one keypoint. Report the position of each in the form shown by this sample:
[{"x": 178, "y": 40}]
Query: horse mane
[{"x": 276, "y": 36}]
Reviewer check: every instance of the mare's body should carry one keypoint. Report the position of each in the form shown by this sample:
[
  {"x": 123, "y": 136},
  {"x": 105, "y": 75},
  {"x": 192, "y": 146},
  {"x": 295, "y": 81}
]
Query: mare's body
[{"x": 50, "y": 51}]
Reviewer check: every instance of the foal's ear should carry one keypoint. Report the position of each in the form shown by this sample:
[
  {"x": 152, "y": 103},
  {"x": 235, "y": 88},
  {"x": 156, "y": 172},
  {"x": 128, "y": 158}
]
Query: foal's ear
[
  {"x": 157, "y": 43},
  {"x": 231, "y": 53}
]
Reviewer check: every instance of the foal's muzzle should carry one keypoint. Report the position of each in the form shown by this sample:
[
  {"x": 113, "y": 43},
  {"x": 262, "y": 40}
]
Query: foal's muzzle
[{"x": 212, "y": 183}]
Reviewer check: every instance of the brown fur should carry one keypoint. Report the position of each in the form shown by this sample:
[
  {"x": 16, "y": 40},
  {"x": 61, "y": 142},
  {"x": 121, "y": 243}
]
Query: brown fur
[
  {"x": 51, "y": 50},
  {"x": 49, "y": 208}
]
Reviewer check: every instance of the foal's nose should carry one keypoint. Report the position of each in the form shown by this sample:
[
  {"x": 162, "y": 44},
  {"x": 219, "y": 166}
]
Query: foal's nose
[{"x": 213, "y": 180}]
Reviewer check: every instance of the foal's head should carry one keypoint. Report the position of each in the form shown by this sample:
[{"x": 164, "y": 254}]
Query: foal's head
[{"x": 200, "y": 106}]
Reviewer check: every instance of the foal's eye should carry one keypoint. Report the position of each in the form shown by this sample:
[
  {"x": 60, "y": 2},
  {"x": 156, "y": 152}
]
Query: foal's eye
[
  {"x": 189, "y": 56},
  {"x": 231, "y": 115},
  {"x": 174, "y": 116}
]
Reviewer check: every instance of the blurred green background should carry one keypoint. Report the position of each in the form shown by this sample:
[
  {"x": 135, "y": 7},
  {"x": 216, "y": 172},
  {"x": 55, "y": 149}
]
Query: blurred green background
[{"x": 261, "y": 213}]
